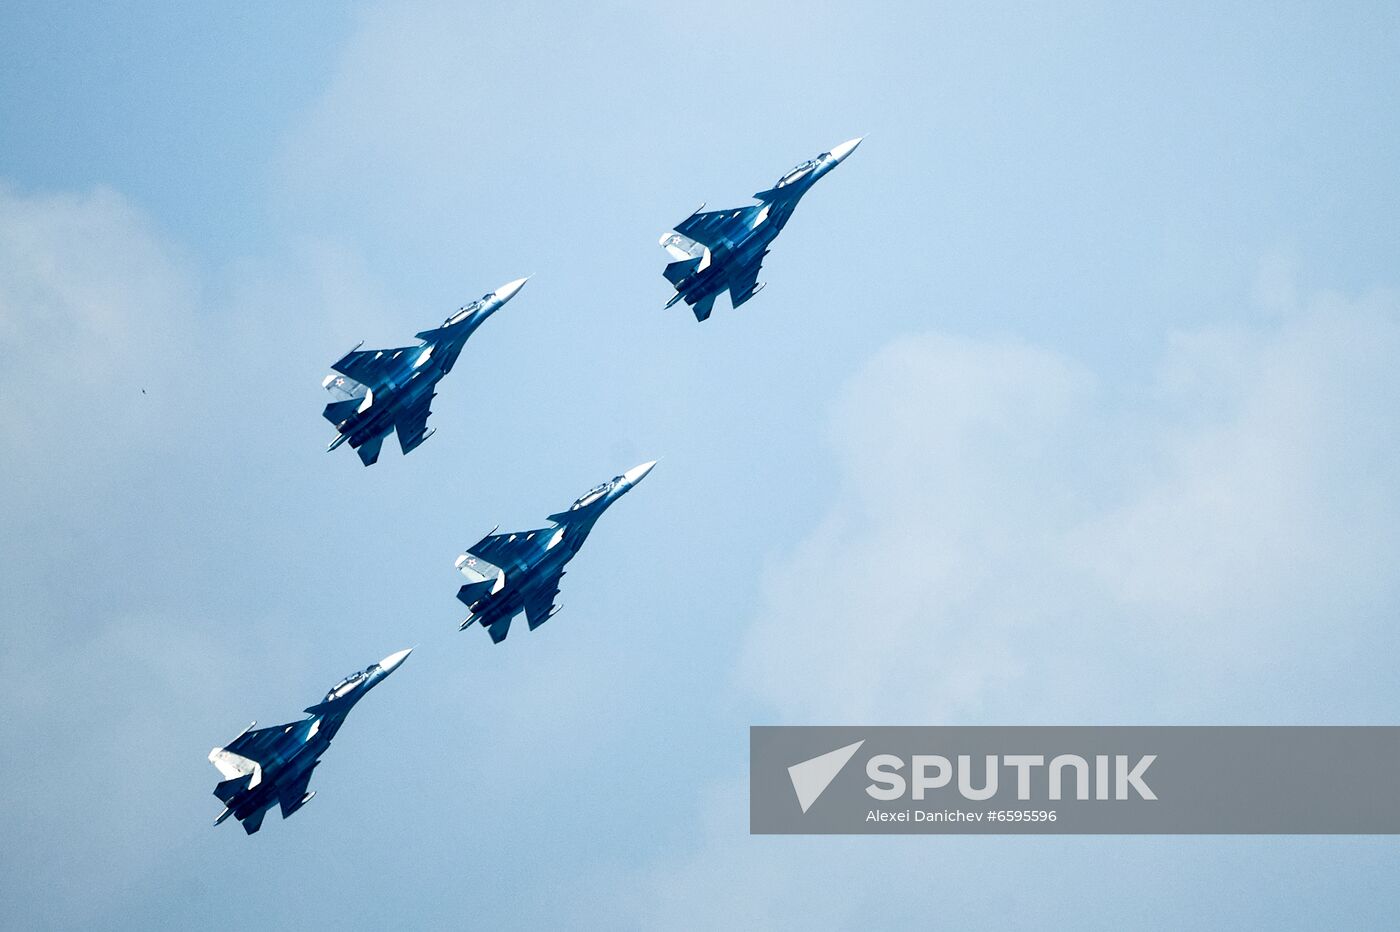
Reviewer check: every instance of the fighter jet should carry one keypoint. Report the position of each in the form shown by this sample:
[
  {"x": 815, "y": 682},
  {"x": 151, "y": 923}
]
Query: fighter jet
[
  {"x": 392, "y": 389},
  {"x": 512, "y": 573},
  {"x": 273, "y": 766},
  {"x": 723, "y": 249}
]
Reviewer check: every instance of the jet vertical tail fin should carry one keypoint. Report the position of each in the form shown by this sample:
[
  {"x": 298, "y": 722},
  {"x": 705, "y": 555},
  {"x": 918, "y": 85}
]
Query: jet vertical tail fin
[
  {"x": 678, "y": 270},
  {"x": 483, "y": 577},
  {"x": 472, "y": 592},
  {"x": 433, "y": 335},
  {"x": 231, "y": 788},
  {"x": 337, "y": 411}
]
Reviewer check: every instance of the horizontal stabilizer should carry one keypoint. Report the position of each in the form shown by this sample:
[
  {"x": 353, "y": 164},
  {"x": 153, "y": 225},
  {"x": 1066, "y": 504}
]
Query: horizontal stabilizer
[
  {"x": 680, "y": 269},
  {"x": 369, "y": 450},
  {"x": 703, "y": 307},
  {"x": 254, "y": 821},
  {"x": 337, "y": 412},
  {"x": 499, "y": 629}
]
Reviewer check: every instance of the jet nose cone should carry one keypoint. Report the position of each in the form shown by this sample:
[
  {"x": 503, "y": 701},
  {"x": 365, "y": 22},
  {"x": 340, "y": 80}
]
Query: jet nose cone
[
  {"x": 508, "y": 290},
  {"x": 390, "y": 663},
  {"x": 846, "y": 148},
  {"x": 638, "y": 473}
]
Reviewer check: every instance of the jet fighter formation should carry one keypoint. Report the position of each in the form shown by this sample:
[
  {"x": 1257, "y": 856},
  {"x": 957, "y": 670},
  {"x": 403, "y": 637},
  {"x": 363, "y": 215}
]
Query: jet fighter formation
[
  {"x": 512, "y": 573},
  {"x": 391, "y": 390},
  {"x": 723, "y": 249},
  {"x": 272, "y": 766}
]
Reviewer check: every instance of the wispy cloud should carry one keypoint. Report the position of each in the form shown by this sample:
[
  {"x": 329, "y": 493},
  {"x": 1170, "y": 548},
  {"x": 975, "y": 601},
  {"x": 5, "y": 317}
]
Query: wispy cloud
[{"x": 1013, "y": 540}]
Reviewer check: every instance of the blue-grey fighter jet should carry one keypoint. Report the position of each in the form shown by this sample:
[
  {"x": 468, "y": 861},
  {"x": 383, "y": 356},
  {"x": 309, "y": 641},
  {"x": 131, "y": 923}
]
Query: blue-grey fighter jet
[
  {"x": 512, "y": 573},
  {"x": 392, "y": 389},
  {"x": 272, "y": 766},
  {"x": 724, "y": 249}
]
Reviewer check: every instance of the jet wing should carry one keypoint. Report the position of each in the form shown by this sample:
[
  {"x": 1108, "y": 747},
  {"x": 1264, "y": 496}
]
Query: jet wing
[
  {"x": 241, "y": 761},
  {"x": 743, "y": 282},
  {"x": 510, "y": 552},
  {"x": 370, "y": 367},
  {"x": 291, "y": 794},
  {"x": 540, "y": 607},
  {"x": 718, "y": 226},
  {"x": 412, "y": 424},
  {"x": 255, "y": 745}
]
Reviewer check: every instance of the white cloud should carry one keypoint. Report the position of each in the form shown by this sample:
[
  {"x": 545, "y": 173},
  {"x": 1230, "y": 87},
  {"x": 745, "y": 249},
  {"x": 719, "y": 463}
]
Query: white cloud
[{"x": 1014, "y": 541}]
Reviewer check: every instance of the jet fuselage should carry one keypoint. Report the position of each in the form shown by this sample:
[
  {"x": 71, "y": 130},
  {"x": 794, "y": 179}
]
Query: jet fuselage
[
  {"x": 723, "y": 250},
  {"x": 749, "y": 245},
  {"x": 520, "y": 572},
  {"x": 273, "y": 765},
  {"x": 286, "y": 765},
  {"x": 412, "y": 380},
  {"x": 392, "y": 389}
]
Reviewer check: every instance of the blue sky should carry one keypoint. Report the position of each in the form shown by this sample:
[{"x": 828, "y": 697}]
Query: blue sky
[{"x": 1071, "y": 400}]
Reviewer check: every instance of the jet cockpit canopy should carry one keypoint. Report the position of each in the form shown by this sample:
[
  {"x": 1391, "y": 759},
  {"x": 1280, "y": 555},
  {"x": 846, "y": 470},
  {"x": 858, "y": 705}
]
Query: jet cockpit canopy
[
  {"x": 348, "y": 684},
  {"x": 464, "y": 312},
  {"x": 796, "y": 173},
  {"x": 592, "y": 495}
]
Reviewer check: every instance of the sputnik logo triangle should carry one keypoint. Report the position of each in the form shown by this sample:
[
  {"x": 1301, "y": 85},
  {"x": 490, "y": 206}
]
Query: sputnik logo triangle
[{"x": 811, "y": 777}]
